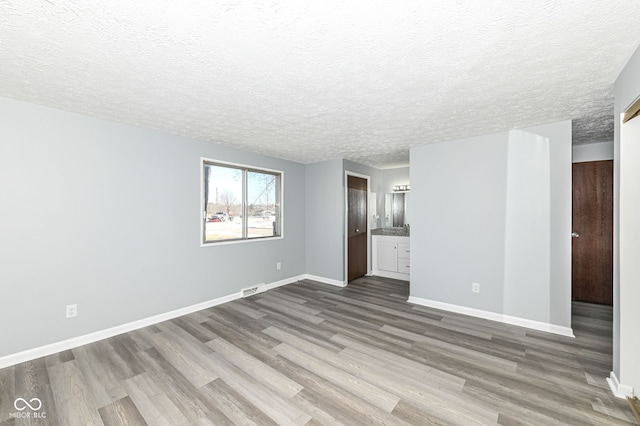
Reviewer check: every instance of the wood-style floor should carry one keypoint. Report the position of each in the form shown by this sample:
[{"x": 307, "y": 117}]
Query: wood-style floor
[{"x": 313, "y": 354}]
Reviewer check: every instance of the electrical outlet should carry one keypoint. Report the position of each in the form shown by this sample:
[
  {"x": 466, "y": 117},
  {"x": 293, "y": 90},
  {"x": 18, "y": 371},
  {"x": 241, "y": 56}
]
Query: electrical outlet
[
  {"x": 72, "y": 310},
  {"x": 278, "y": 266},
  {"x": 475, "y": 287}
]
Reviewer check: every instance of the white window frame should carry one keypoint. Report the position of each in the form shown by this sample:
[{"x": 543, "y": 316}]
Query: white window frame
[{"x": 244, "y": 167}]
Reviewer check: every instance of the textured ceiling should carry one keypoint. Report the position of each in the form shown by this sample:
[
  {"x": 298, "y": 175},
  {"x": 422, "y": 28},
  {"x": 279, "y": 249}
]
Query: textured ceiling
[{"x": 309, "y": 81}]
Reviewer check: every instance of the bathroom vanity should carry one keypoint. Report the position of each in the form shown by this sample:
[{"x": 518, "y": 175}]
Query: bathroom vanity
[{"x": 391, "y": 253}]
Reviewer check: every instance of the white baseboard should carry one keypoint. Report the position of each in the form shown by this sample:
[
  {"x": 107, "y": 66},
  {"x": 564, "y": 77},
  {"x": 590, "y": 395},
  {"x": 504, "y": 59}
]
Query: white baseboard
[
  {"x": 30, "y": 354},
  {"x": 284, "y": 282},
  {"x": 618, "y": 389},
  {"x": 329, "y": 281},
  {"x": 522, "y": 322}
]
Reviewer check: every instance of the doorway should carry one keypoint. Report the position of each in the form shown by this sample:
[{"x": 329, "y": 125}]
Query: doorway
[
  {"x": 357, "y": 232},
  {"x": 592, "y": 224}
]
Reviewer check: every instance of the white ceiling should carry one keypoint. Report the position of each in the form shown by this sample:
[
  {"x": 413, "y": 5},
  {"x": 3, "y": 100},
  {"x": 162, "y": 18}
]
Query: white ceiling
[{"x": 309, "y": 81}]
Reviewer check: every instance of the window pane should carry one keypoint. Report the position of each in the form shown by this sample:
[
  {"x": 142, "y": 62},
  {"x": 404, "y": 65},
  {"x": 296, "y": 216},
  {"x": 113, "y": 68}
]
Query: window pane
[
  {"x": 224, "y": 203},
  {"x": 263, "y": 192},
  {"x": 240, "y": 202}
]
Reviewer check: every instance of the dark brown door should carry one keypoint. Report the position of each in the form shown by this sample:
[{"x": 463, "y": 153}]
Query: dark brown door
[
  {"x": 357, "y": 227},
  {"x": 592, "y": 242}
]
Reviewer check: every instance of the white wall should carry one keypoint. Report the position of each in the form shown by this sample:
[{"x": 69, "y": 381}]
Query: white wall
[
  {"x": 629, "y": 239},
  {"x": 598, "y": 151},
  {"x": 107, "y": 216},
  {"x": 458, "y": 206},
  {"x": 626, "y": 246}
]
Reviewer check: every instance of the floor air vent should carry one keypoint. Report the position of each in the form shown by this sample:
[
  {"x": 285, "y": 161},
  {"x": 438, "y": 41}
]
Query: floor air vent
[{"x": 250, "y": 291}]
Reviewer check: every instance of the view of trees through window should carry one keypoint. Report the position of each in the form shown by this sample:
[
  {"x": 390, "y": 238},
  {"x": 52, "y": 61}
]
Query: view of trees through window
[{"x": 241, "y": 202}]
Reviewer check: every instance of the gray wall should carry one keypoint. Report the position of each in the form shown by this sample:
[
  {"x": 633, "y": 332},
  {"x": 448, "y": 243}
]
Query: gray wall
[
  {"x": 325, "y": 215},
  {"x": 559, "y": 135},
  {"x": 626, "y": 345},
  {"x": 391, "y": 177},
  {"x": 324, "y": 204},
  {"x": 592, "y": 152},
  {"x": 458, "y": 213},
  {"x": 106, "y": 215},
  {"x": 458, "y": 199},
  {"x": 375, "y": 181}
]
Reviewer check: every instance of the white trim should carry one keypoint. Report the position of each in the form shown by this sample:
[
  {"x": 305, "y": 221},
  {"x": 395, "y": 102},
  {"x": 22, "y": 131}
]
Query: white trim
[
  {"x": 348, "y": 173},
  {"x": 286, "y": 281},
  {"x": 239, "y": 165},
  {"x": 618, "y": 389},
  {"x": 323, "y": 280},
  {"x": 522, "y": 322},
  {"x": 240, "y": 241},
  {"x": 74, "y": 342}
]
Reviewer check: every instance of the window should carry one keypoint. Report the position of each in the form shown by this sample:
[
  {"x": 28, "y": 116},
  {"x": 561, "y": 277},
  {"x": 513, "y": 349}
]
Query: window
[{"x": 240, "y": 202}]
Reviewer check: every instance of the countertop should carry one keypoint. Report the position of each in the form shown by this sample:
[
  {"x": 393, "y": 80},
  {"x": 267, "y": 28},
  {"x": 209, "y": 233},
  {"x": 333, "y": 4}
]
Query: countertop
[{"x": 395, "y": 231}]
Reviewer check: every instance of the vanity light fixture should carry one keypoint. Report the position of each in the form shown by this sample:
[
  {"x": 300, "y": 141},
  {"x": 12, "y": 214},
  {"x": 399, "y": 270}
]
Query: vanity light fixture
[{"x": 401, "y": 187}]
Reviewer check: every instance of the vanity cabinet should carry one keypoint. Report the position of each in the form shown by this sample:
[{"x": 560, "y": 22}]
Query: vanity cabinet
[{"x": 391, "y": 256}]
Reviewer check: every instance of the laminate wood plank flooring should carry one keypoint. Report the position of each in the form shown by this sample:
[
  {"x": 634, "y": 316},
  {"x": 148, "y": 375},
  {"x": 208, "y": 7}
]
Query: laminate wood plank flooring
[{"x": 312, "y": 354}]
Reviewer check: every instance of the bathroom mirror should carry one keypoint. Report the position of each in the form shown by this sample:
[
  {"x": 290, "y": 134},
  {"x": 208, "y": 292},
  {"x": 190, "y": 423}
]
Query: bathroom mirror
[{"x": 395, "y": 209}]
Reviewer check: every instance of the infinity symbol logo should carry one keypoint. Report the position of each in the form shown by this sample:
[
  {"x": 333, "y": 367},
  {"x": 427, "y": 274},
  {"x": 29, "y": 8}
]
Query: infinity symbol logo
[{"x": 25, "y": 404}]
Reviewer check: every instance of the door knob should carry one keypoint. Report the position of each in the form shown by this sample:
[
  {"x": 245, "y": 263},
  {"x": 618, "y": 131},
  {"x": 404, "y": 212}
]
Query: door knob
[
  {"x": 357, "y": 230},
  {"x": 574, "y": 235}
]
